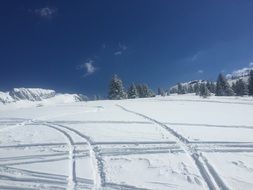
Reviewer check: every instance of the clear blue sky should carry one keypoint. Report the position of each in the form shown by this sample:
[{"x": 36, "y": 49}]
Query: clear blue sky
[{"x": 76, "y": 46}]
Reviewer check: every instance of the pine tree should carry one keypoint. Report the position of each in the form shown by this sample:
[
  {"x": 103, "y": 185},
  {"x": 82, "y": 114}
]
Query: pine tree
[
  {"x": 234, "y": 87},
  {"x": 160, "y": 92},
  {"x": 241, "y": 88},
  {"x": 180, "y": 89},
  {"x": 203, "y": 90},
  {"x": 144, "y": 91},
  {"x": 132, "y": 92},
  {"x": 190, "y": 89},
  {"x": 140, "y": 92},
  {"x": 250, "y": 87},
  {"x": 212, "y": 87},
  {"x": 196, "y": 88},
  {"x": 116, "y": 89},
  {"x": 222, "y": 87}
]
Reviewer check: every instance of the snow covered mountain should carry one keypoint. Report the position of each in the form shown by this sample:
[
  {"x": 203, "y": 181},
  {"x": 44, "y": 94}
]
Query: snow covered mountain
[
  {"x": 37, "y": 94},
  {"x": 241, "y": 73},
  {"x": 232, "y": 78},
  {"x": 186, "y": 85}
]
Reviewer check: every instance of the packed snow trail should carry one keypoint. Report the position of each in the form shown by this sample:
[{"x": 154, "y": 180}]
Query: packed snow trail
[
  {"x": 72, "y": 161},
  {"x": 96, "y": 160},
  {"x": 212, "y": 179}
]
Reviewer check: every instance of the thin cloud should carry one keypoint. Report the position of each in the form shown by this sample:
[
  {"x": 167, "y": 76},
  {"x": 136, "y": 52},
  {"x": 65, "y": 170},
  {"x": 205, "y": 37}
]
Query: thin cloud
[
  {"x": 121, "y": 48},
  {"x": 45, "y": 12},
  {"x": 196, "y": 56},
  {"x": 88, "y": 68},
  {"x": 200, "y": 71},
  {"x": 118, "y": 53}
]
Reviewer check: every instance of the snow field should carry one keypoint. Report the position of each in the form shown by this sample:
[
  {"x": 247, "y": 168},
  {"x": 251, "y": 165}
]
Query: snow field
[{"x": 176, "y": 142}]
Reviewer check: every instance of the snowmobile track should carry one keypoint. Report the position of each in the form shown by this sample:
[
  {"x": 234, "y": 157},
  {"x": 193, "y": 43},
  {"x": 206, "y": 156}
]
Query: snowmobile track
[
  {"x": 211, "y": 177},
  {"x": 72, "y": 161},
  {"x": 96, "y": 160}
]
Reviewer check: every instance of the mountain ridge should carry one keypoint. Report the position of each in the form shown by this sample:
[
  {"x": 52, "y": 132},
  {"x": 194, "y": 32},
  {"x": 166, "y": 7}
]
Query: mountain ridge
[{"x": 36, "y": 94}]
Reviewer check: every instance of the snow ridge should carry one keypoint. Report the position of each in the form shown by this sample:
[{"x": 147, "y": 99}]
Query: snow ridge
[{"x": 38, "y": 94}]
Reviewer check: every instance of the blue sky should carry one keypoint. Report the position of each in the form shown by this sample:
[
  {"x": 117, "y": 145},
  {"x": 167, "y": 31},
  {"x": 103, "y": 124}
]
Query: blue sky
[{"x": 76, "y": 46}]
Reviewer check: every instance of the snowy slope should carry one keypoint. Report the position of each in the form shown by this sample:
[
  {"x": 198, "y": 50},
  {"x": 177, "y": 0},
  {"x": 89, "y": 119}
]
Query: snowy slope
[
  {"x": 175, "y": 142},
  {"x": 240, "y": 73}
]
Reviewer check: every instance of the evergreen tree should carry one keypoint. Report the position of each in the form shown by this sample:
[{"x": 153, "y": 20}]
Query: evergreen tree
[
  {"x": 144, "y": 91},
  {"x": 132, "y": 92},
  {"x": 250, "y": 87},
  {"x": 116, "y": 89},
  {"x": 180, "y": 89},
  {"x": 160, "y": 92},
  {"x": 196, "y": 88},
  {"x": 203, "y": 90},
  {"x": 173, "y": 90},
  {"x": 234, "y": 87},
  {"x": 140, "y": 91},
  {"x": 212, "y": 87},
  {"x": 241, "y": 88},
  {"x": 222, "y": 87},
  {"x": 190, "y": 89}
]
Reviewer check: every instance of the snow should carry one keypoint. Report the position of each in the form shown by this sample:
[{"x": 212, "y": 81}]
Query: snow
[
  {"x": 39, "y": 96},
  {"x": 174, "y": 142}
]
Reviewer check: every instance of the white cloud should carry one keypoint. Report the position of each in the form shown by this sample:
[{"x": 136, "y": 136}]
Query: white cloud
[
  {"x": 196, "y": 56},
  {"x": 121, "y": 48},
  {"x": 118, "y": 53},
  {"x": 200, "y": 71},
  {"x": 46, "y": 12},
  {"x": 251, "y": 64},
  {"x": 88, "y": 68}
]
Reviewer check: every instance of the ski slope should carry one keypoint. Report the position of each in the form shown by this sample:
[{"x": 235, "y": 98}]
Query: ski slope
[{"x": 175, "y": 142}]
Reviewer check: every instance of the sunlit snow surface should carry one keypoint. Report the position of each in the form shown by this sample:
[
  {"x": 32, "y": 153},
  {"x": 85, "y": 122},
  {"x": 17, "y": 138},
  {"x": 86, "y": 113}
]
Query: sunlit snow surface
[{"x": 175, "y": 142}]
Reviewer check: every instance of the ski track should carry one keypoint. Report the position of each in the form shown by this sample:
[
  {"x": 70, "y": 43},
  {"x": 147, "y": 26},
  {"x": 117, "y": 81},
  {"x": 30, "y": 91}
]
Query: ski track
[
  {"x": 211, "y": 177},
  {"x": 72, "y": 162},
  {"x": 39, "y": 180},
  {"x": 96, "y": 160}
]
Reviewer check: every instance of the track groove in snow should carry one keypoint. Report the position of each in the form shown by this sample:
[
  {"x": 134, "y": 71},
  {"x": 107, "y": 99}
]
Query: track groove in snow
[
  {"x": 208, "y": 173},
  {"x": 72, "y": 162},
  {"x": 96, "y": 160}
]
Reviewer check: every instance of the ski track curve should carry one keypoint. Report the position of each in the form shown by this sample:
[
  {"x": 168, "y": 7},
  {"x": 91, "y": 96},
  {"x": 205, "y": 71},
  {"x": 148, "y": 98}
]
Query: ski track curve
[
  {"x": 208, "y": 173},
  {"x": 96, "y": 160},
  {"x": 72, "y": 161}
]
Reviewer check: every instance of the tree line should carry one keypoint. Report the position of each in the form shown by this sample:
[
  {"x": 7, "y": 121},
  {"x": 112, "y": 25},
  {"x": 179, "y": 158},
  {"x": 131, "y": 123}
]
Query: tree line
[
  {"x": 117, "y": 90},
  {"x": 220, "y": 88}
]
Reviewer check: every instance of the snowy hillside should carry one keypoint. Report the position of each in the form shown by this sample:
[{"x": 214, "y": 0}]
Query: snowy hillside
[
  {"x": 232, "y": 78},
  {"x": 241, "y": 73},
  {"x": 186, "y": 85},
  {"x": 174, "y": 142},
  {"x": 35, "y": 94}
]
